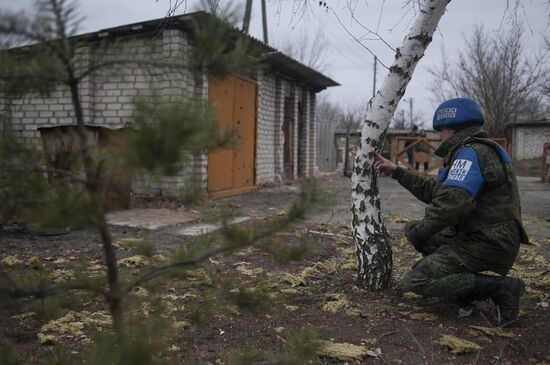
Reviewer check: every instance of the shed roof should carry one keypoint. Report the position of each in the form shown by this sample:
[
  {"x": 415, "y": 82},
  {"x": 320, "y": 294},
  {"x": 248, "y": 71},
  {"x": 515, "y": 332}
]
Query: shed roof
[
  {"x": 540, "y": 120},
  {"x": 286, "y": 64}
]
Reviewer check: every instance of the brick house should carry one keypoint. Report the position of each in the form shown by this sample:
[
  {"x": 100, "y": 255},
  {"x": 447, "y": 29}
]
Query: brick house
[
  {"x": 529, "y": 137},
  {"x": 273, "y": 111}
]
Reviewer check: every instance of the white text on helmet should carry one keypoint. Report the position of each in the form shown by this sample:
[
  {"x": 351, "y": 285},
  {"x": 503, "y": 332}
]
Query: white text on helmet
[{"x": 446, "y": 113}]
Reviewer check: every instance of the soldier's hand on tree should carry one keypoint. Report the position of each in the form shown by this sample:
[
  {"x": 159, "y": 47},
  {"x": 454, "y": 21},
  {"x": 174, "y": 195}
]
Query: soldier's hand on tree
[{"x": 382, "y": 164}]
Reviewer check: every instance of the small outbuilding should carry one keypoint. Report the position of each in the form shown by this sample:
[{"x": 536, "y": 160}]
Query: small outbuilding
[
  {"x": 529, "y": 137},
  {"x": 273, "y": 110}
]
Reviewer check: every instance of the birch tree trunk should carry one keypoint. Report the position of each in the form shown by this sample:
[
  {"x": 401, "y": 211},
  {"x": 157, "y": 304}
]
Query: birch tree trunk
[{"x": 373, "y": 250}]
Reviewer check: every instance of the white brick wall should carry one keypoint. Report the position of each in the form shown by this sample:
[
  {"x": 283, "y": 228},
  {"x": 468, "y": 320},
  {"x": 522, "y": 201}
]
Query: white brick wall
[
  {"x": 267, "y": 138},
  {"x": 528, "y": 141}
]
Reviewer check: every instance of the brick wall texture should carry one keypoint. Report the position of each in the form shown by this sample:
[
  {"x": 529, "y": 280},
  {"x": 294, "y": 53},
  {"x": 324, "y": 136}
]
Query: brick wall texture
[
  {"x": 528, "y": 141},
  {"x": 108, "y": 97}
]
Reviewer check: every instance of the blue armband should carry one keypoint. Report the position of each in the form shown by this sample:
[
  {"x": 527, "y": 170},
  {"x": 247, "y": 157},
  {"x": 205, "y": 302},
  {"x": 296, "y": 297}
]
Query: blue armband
[
  {"x": 465, "y": 171},
  {"x": 442, "y": 174}
]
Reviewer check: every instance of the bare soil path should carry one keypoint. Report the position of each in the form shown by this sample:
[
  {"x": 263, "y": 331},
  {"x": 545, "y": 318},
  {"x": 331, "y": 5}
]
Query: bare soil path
[{"x": 319, "y": 292}]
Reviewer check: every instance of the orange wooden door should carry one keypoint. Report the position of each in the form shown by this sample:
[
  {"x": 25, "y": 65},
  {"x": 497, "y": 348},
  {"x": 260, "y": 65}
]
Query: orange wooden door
[
  {"x": 231, "y": 171},
  {"x": 245, "y": 126},
  {"x": 220, "y": 161}
]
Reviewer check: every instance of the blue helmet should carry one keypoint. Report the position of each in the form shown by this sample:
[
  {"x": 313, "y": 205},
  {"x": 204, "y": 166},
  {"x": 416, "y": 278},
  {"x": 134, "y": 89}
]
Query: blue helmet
[{"x": 455, "y": 113}]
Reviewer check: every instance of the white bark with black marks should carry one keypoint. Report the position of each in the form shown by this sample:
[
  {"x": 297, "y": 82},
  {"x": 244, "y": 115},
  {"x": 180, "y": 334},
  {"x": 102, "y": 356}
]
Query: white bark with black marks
[{"x": 373, "y": 250}]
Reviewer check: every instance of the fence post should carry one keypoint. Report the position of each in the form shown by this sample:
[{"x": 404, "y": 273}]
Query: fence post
[{"x": 545, "y": 162}]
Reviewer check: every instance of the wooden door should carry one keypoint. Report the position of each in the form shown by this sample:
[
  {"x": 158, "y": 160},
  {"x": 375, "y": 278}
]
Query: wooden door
[
  {"x": 221, "y": 94},
  {"x": 244, "y": 119},
  {"x": 231, "y": 170}
]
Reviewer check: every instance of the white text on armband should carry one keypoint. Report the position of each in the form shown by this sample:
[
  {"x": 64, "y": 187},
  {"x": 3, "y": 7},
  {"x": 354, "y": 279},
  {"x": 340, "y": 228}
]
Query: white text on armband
[{"x": 459, "y": 170}]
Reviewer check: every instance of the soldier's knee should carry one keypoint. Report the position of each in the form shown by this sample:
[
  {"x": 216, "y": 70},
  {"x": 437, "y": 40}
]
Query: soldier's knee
[{"x": 416, "y": 281}]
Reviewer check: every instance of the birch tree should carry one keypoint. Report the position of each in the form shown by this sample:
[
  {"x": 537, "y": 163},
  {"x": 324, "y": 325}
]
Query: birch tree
[{"x": 372, "y": 246}]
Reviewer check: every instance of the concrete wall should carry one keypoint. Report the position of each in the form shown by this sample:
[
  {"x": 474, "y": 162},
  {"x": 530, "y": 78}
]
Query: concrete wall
[{"x": 528, "y": 141}]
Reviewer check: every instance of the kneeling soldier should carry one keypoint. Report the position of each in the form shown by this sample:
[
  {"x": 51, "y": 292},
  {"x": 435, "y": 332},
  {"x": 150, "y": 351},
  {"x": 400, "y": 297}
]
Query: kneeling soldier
[{"x": 472, "y": 222}]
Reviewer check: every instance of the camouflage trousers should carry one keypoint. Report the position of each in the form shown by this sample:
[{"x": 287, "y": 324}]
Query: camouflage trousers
[{"x": 440, "y": 274}]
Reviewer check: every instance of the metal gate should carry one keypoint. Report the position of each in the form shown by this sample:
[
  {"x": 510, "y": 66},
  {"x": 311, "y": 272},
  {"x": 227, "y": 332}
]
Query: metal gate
[
  {"x": 231, "y": 171},
  {"x": 417, "y": 153},
  {"x": 326, "y": 147}
]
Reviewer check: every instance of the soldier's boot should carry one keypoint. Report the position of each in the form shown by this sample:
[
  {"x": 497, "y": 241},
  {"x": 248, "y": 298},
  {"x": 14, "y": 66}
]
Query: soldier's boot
[{"x": 505, "y": 293}]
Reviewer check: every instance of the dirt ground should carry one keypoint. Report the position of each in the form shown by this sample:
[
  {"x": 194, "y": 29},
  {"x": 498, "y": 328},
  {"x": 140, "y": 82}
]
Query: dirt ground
[{"x": 319, "y": 292}]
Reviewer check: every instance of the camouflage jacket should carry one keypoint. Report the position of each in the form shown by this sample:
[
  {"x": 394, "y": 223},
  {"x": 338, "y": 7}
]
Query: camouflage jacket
[{"x": 475, "y": 199}]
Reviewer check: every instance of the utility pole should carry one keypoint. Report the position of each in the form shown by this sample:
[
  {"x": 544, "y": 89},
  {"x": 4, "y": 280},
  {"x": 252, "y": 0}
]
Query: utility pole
[
  {"x": 247, "y": 14},
  {"x": 411, "y": 110},
  {"x": 374, "y": 83},
  {"x": 264, "y": 21}
]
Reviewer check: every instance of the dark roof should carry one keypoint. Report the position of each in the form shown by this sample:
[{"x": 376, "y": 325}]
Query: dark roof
[
  {"x": 538, "y": 120},
  {"x": 274, "y": 57},
  {"x": 543, "y": 122}
]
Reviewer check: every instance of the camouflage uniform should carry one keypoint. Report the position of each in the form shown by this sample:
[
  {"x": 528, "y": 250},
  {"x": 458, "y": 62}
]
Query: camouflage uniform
[{"x": 473, "y": 220}]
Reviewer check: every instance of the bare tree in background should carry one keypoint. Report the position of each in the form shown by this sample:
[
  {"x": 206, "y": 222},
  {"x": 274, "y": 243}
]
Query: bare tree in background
[
  {"x": 311, "y": 51},
  {"x": 545, "y": 84},
  {"x": 403, "y": 119},
  {"x": 497, "y": 74}
]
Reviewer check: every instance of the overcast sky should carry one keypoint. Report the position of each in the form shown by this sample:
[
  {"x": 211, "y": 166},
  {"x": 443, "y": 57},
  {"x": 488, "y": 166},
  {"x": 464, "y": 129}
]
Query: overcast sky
[{"x": 351, "y": 64}]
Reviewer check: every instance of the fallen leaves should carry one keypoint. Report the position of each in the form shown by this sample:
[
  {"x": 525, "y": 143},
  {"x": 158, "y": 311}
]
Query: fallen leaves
[
  {"x": 129, "y": 241},
  {"x": 342, "y": 351},
  {"x": 34, "y": 263},
  {"x": 423, "y": 316},
  {"x": 349, "y": 265},
  {"x": 181, "y": 325},
  {"x": 61, "y": 275},
  {"x": 138, "y": 261},
  {"x": 457, "y": 345},
  {"x": 72, "y": 326},
  {"x": 339, "y": 303},
  {"x": 395, "y": 218},
  {"x": 490, "y": 331},
  {"x": 411, "y": 296},
  {"x": 23, "y": 316},
  {"x": 135, "y": 261},
  {"x": 11, "y": 261},
  {"x": 140, "y": 291},
  {"x": 243, "y": 268},
  {"x": 317, "y": 269},
  {"x": 294, "y": 280},
  {"x": 291, "y": 308},
  {"x": 198, "y": 276}
]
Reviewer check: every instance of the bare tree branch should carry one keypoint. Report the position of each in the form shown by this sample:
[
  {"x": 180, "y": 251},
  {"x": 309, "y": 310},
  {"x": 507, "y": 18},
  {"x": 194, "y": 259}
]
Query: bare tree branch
[
  {"x": 375, "y": 33},
  {"x": 356, "y": 39}
]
